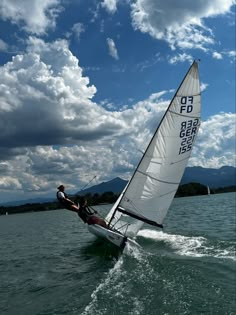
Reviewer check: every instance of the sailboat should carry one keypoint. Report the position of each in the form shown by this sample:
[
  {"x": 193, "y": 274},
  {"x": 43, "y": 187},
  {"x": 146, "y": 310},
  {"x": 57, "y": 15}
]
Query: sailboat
[
  {"x": 152, "y": 187},
  {"x": 208, "y": 191}
]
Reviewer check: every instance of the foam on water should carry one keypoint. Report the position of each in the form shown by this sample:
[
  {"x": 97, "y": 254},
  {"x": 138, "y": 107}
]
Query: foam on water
[
  {"x": 194, "y": 246},
  {"x": 105, "y": 285},
  {"x": 134, "y": 249},
  {"x": 115, "y": 284}
]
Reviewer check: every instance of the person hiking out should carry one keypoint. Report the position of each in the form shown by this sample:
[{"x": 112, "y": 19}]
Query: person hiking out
[
  {"x": 84, "y": 212},
  {"x": 88, "y": 216},
  {"x": 65, "y": 201}
]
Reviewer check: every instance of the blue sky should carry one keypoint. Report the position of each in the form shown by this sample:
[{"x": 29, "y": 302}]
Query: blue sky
[{"x": 83, "y": 85}]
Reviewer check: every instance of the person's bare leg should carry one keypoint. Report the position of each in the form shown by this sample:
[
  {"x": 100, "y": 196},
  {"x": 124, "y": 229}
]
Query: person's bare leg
[{"x": 73, "y": 208}]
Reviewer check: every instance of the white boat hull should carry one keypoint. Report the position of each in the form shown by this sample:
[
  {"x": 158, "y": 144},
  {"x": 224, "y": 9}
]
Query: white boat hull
[{"x": 110, "y": 235}]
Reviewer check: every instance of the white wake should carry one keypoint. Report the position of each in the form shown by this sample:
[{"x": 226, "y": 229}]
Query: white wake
[{"x": 195, "y": 246}]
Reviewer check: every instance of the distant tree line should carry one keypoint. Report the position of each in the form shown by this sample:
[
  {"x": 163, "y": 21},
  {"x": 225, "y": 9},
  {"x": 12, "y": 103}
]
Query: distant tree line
[
  {"x": 191, "y": 189},
  {"x": 93, "y": 199}
]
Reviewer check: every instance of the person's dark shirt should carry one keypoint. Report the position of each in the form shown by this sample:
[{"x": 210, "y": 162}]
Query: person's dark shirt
[{"x": 84, "y": 213}]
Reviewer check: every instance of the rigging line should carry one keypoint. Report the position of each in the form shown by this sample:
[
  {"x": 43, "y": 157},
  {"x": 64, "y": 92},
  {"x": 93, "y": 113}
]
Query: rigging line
[
  {"x": 134, "y": 207},
  {"x": 178, "y": 114},
  {"x": 158, "y": 180},
  {"x": 88, "y": 183},
  {"x": 117, "y": 229},
  {"x": 95, "y": 211},
  {"x": 122, "y": 226}
]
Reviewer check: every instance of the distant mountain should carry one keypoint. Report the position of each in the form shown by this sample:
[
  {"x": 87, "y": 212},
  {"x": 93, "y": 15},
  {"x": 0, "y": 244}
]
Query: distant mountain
[
  {"x": 214, "y": 178},
  {"x": 115, "y": 185}
]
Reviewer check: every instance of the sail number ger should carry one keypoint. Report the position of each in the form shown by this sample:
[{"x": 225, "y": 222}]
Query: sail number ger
[{"x": 187, "y": 134}]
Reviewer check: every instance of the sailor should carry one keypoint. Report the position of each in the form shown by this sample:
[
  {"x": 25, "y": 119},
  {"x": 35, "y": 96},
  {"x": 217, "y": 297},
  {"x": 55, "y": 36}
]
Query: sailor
[
  {"x": 87, "y": 215},
  {"x": 84, "y": 212},
  {"x": 65, "y": 201}
]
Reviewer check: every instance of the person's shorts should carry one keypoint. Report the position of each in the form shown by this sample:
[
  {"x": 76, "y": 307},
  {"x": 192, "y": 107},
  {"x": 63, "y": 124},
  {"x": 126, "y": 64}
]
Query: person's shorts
[{"x": 93, "y": 219}]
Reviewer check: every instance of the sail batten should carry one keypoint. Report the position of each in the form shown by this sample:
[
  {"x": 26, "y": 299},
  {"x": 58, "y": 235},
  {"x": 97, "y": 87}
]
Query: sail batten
[{"x": 149, "y": 193}]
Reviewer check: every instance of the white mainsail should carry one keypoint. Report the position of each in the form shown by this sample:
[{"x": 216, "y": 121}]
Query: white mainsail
[{"x": 155, "y": 181}]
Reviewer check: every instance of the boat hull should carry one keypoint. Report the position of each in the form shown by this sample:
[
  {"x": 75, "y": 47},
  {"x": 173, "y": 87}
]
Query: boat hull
[{"x": 109, "y": 235}]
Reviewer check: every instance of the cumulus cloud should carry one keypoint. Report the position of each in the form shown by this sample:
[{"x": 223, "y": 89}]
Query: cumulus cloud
[
  {"x": 78, "y": 29},
  {"x": 180, "y": 23},
  {"x": 51, "y": 131},
  {"x": 215, "y": 145},
  {"x": 231, "y": 54},
  {"x": 110, "y": 5},
  {"x": 46, "y": 100},
  {"x": 112, "y": 48},
  {"x": 46, "y": 89},
  {"x": 217, "y": 55},
  {"x": 35, "y": 16},
  {"x": 9, "y": 183},
  {"x": 3, "y": 45}
]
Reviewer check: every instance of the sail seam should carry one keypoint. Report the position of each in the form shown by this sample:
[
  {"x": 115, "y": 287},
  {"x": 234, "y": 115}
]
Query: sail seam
[
  {"x": 178, "y": 95},
  {"x": 170, "y": 111},
  {"x": 158, "y": 180}
]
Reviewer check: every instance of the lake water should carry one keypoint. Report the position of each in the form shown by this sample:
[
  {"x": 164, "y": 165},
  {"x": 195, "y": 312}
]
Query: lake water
[{"x": 50, "y": 264}]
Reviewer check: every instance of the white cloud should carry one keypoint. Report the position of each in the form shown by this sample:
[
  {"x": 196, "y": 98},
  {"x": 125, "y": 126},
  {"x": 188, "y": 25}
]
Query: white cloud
[
  {"x": 46, "y": 83},
  {"x": 52, "y": 132},
  {"x": 204, "y": 86},
  {"x": 181, "y": 58},
  {"x": 112, "y": 48},
  {"x": 217, "y": 55},
  {"x": 180, "y": 23},
  {"x": 215, "y": 145},
  {"x": 110, "y": 5},
  {"x": 55, "y": 106},
  {"x": 35, "y": 16},
  {"x": 231, "y": 54},
  {"x": 43, "y": 168},
  {"x": 9, "y": 183},
  {"x": 78, "y": 29},
  {"x": 148, "y": 63},
  {"x": 3, "y": 45}
]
